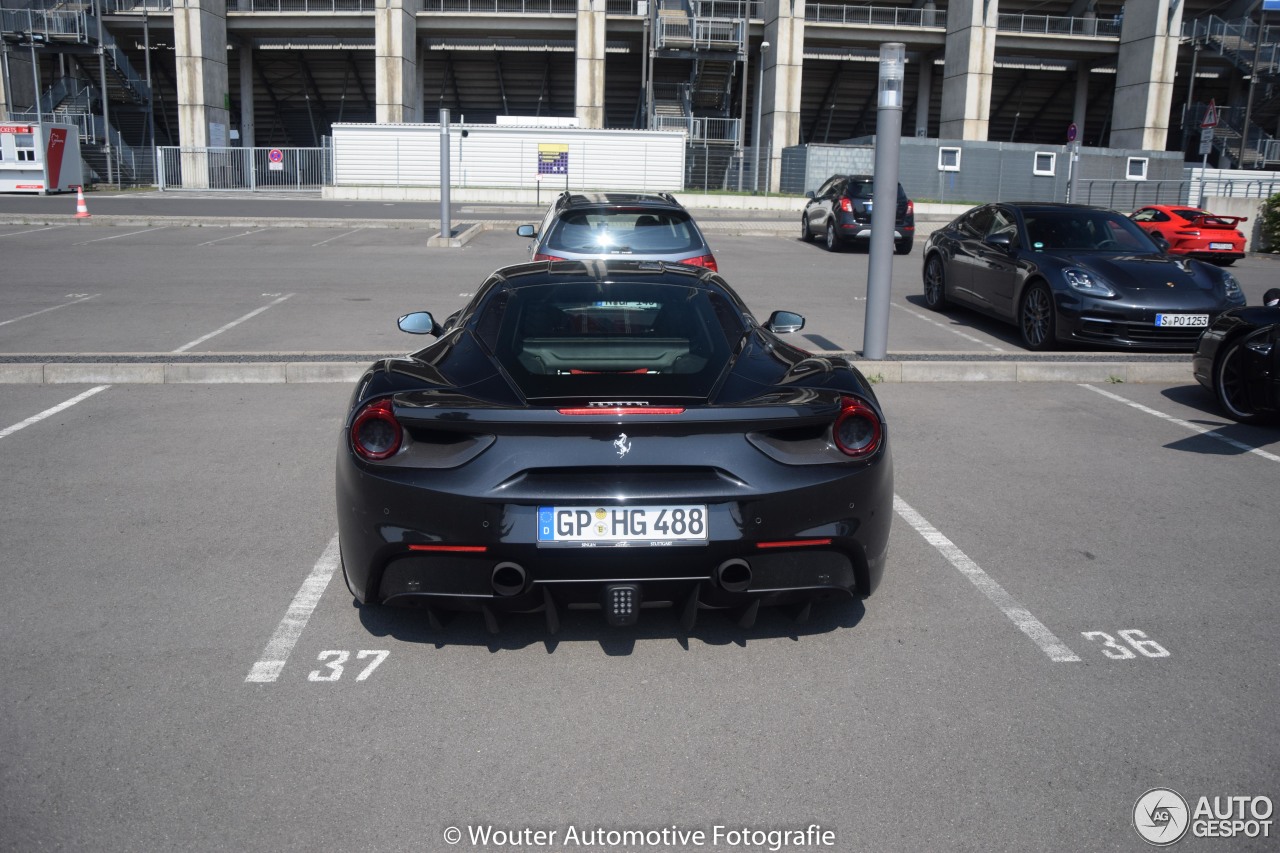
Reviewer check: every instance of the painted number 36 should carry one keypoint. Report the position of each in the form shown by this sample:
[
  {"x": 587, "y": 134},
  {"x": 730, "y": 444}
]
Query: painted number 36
[
  {"x": 333, "y": 660},
  {"x": 1137, "y": 639}
]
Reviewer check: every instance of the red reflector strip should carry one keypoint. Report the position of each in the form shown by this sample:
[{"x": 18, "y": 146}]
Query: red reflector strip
[
  {"x": 794, "y": 543},
  {"x": 460, "y": 549},
  {"x": 622, "y": 410}
]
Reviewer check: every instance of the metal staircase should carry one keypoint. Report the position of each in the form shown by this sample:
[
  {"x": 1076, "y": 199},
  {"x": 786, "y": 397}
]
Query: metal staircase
[{"x": 1256, "y": 52}]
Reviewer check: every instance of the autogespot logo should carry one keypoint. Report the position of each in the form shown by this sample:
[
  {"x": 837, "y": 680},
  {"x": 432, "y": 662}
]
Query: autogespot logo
[{"x": 1161, "y": 816}]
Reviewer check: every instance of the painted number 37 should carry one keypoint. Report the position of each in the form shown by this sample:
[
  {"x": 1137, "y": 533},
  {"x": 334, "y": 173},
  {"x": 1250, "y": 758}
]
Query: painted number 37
[{"x": 334, "y": 659}]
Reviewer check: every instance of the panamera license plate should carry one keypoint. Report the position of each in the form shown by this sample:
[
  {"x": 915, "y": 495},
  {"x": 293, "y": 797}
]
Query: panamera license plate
[
  {"x": 614, "y": 526},
  {"x": 1226, "y": 247},
  {"x": 1185, "y": 321}
]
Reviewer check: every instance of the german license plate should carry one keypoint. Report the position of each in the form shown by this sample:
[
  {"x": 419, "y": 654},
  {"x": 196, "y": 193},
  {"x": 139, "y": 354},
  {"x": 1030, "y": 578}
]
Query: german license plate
[
  {"x": 1185, "y": 321},
  {"x": 1226, "y": 247},
  {"x": 613, "y": 526}
]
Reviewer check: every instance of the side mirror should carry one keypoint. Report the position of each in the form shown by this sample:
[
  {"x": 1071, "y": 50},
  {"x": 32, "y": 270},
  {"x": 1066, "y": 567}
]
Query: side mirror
[
  {"x": 809, "y": 194},
  {"x": 419, "y": 323},
  {"x": 784, "y": 322},
  {"x": 526, "y": 231},
  {"x": 1161, "y": 242},
  {"x": 1000, "y": 241}
]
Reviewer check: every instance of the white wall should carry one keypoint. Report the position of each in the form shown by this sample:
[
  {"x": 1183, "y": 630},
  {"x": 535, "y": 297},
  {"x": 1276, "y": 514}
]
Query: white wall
[{"x": 502, "y": 156}]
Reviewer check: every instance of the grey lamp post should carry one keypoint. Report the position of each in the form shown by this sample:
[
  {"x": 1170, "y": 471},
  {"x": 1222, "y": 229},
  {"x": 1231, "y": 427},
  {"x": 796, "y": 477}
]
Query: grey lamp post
[{"x": 755, "y": 143}]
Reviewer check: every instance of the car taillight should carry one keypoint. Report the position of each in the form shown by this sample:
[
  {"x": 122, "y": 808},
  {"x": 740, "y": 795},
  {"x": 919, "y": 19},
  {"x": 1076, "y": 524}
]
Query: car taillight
[
  {"x": 708, "y": 261},
  {"x": 1187, "y": 233},
  {"x": 857, "y": 428},
  {"x": 846, "y": 205},
  {"x": 911, "y": 208},
  {"x": 538, "y": 256},
  {"x": 376, "y": 434}
]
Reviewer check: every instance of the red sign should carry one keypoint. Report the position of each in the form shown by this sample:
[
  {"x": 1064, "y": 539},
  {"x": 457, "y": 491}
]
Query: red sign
[
  {"x": 53, "y": 154},
  {"x": 1210, "y": 116},
  {"x": 16, "y": 128}
]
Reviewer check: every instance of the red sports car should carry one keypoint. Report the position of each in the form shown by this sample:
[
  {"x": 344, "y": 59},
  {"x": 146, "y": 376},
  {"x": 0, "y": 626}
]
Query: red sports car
[{"x": 1194, "y": 232}]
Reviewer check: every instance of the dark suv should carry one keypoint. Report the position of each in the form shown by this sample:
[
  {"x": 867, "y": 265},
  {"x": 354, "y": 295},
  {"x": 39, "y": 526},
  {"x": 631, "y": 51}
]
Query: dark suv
[
  {"x": 639, "y": 226},
  {"x": 840, "y": 211}
]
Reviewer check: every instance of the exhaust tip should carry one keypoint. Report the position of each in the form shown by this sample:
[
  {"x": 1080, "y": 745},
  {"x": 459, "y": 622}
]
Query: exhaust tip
[
  {"x": 734, "y": 575},
  {"x": 509, "y": 579}
]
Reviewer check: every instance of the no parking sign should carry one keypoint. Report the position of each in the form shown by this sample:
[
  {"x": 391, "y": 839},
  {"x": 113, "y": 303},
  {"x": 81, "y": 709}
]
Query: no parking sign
[{"x": 275, "y": 160}]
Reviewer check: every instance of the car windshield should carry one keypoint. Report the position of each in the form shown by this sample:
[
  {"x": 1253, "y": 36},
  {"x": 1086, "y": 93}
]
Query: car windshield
[
  {"x": 1085, "y": 230},
  {"x": 593, "y": 339},
  {"x": 623, "y": 231}
]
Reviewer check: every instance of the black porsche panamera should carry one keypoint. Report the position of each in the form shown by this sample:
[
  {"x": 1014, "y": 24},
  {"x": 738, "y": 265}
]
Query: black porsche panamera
[{"x": 611, "y": 435}]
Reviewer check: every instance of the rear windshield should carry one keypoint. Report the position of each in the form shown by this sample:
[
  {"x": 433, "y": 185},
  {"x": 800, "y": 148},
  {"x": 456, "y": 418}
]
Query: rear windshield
[
  {"x": 615, "y": 340},
  {"x": 614, "y": 230},
  {"x": 866, "y": 189}
]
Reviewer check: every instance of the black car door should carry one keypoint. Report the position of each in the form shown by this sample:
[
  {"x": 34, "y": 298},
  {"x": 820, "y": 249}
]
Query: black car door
[
  {"x": 995, "y": 268},
  {"x": 966, "y": 256}
]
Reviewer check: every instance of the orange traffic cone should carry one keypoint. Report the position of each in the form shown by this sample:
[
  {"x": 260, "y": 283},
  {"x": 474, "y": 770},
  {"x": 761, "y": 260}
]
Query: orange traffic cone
[{"x": 82, "y": 209}]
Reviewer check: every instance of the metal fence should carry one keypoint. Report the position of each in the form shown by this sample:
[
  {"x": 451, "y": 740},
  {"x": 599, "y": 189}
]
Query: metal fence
[
  {"x": 881, "y": 16},
  {"x": 274, "y": 169},
  {"x": 1058, "y": 25}
]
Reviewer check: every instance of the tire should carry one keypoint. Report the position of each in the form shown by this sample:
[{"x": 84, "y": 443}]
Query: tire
[
  {"x": 832, "y": 241},
  {"x": 1036, "y": 319},
  {"x": 1229, "y": 385},
  {"x": 903, "y": 248},
  {"x": 935, "y": 284},
  {"x": 805, "y": 234}
]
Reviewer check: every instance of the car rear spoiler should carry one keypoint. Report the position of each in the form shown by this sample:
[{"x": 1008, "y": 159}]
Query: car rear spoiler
[{"x": 1212, "y": 220}]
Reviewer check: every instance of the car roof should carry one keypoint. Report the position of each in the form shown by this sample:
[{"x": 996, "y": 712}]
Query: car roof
[
  {"x": 657, "y": 200},
  {"x": 1051, "y": 205},
  {"x": 600, "y": 270}
]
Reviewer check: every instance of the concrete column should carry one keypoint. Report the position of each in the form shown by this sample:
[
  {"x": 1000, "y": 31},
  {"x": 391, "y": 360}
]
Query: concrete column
[
  {"x": 395, "y": 24},
  {"x": 5, "y": 98},
  {"x": 200, "y": 55},
  {"x": 783, "y": 71},
  {"x": 924, "y": 94},
  {"x": 1080, "y": 108},
  {"x": 246, "y": 95},
  {"x": 970, "y": 66},
  {"x": 1145, "y": 70},
  {"x": 588, "y": 94}
]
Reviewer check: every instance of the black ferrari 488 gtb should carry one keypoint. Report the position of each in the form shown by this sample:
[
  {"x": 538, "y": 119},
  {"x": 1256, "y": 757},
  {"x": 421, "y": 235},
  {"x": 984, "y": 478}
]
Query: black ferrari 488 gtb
[{"x": 615, "y": 435}]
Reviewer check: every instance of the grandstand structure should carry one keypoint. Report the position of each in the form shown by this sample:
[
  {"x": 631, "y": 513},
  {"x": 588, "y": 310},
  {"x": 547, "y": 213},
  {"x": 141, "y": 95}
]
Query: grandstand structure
[{"x": 134, "y": 74}]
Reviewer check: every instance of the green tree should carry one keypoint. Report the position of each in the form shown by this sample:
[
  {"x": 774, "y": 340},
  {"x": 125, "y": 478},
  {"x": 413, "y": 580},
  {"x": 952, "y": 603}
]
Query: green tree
[{"x": 1269, "y": 227}]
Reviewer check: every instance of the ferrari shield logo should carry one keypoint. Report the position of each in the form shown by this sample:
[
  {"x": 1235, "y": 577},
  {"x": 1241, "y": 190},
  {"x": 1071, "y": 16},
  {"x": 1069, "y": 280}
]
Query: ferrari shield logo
[{"x": 622, "y": 445}]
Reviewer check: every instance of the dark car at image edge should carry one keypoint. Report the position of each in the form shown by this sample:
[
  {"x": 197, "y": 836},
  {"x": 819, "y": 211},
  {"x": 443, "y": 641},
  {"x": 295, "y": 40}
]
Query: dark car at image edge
[
  {"x": 611, "y": 435},
  {"x": 1238, "y": 359}
]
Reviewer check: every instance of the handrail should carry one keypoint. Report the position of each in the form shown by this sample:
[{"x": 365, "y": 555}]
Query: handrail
[
  {"x": 878, "y": 16},
  {"x": 1058, "y": 25}
]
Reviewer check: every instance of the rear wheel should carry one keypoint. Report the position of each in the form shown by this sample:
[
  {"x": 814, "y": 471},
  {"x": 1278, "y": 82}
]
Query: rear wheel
[
  {"x": 935, "y": 284},
  {"x": 904, "y": 247},
  {"x": 1230, "y": 384},
  {"x": 805, "y": 234},
  {"x": 833, "y": 242},
  {"x": 1035, "y": 319}
]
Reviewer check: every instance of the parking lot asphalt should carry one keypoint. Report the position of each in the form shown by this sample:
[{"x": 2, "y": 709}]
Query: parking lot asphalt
[
  {"x": 290, "y": 262},
  {"x": 1076, "y": 608}
]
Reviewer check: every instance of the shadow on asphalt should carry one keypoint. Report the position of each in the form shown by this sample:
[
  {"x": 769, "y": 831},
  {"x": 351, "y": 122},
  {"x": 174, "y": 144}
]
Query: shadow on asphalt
[{"x": 521, "y": 630}]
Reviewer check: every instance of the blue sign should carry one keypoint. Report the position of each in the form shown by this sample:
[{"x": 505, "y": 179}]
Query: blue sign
[{"x": 1271, "y": 5}]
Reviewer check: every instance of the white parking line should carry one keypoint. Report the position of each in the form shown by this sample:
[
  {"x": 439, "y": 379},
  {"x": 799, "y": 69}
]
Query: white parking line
[
  {"x": 1019, "y": 615},
  {"x": 927, "y": 319},
  {"x": 232, "y": 237},
  {"x": 118, "y": 236},
  {"x": 286, "y": 635},
  {"x": 1238, "y": 445},
  {"x": 33, "y": 231},
  {"x": 47, "y": 310},
  {"x": 51, "y": 412},
  {"x": 232, "y": 324},
  {"x": 339, "y": 237}
]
